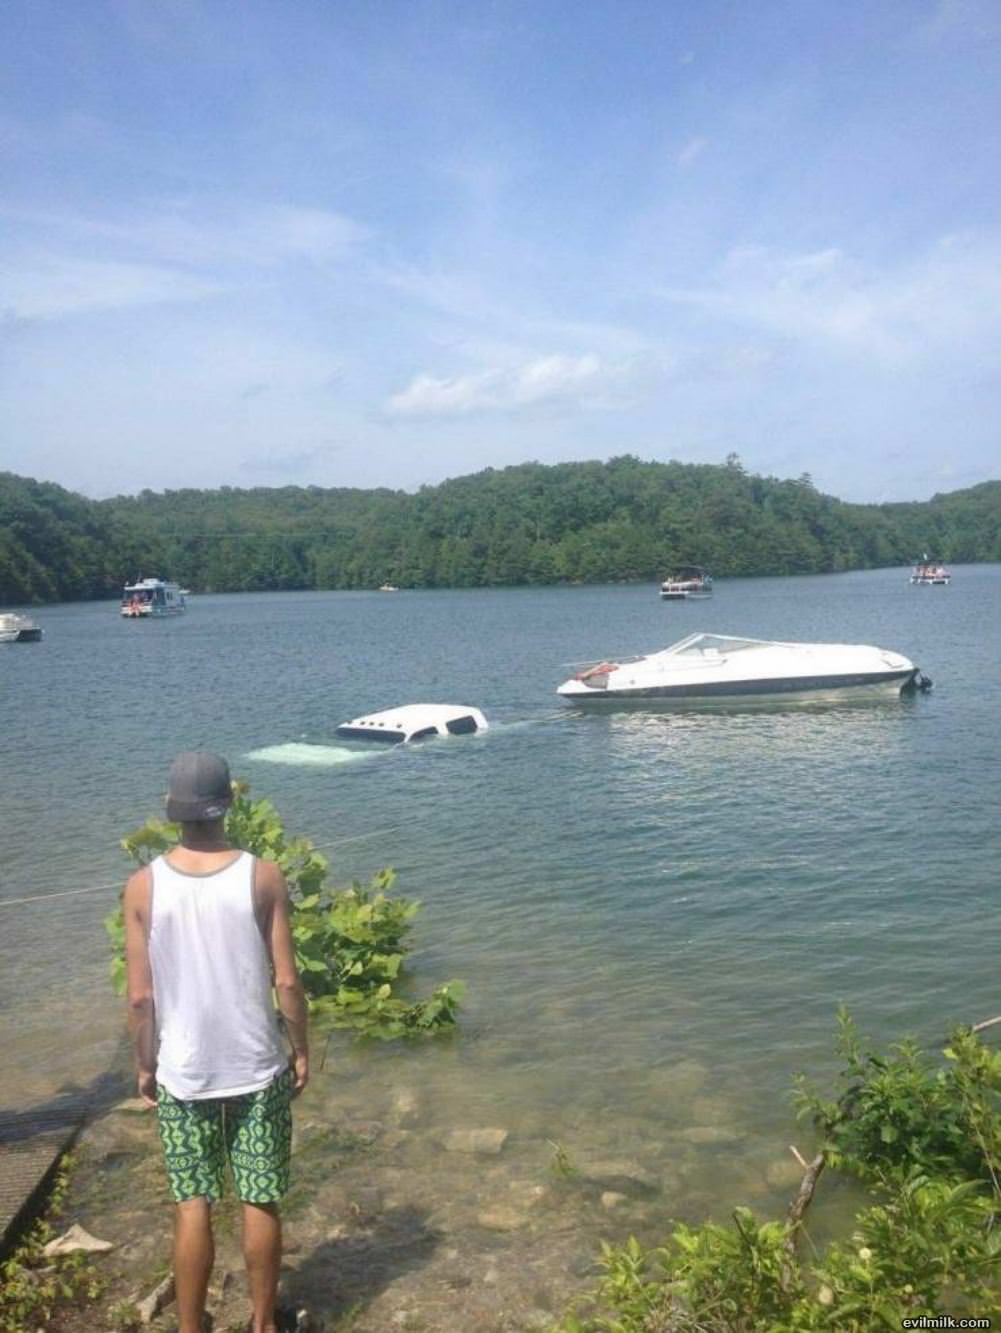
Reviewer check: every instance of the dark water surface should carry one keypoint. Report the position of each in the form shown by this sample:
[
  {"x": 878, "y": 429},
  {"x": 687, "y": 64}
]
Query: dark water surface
[{"x": 621, "y": 892}]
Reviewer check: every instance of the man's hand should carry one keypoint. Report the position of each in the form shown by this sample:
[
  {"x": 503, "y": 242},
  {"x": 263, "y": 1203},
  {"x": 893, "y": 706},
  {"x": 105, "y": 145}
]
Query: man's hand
[
  {"x": 147, "y": 1087},
  {"x": 299, "y": 1065}
]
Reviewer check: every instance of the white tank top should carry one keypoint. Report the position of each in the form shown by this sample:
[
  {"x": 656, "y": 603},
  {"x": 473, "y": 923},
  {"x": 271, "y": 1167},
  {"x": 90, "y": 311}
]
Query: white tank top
[{"x": 216, "y": 1025}]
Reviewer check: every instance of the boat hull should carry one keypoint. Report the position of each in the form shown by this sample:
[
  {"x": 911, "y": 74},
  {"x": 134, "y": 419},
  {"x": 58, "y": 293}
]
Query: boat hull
[{"x": 868, "y": 685}]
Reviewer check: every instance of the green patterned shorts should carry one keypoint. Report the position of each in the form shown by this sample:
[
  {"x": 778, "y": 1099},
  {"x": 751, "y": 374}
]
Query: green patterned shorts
[{"x": 254, "y": 1131}]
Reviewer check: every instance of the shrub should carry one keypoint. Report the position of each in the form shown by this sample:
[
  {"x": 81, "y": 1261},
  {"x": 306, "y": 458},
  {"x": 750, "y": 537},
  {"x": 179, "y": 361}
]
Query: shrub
[{"x": 350, "y": 943}]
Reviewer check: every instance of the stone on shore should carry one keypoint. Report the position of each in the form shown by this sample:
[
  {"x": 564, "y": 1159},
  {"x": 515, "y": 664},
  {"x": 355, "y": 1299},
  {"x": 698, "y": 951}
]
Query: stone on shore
[
  {"x": 132, "y": 1106},
  {"x": 76, "y": 1241},
  {"x": 158, "y": 1299},
  {"x": 486, "y": 1142}
]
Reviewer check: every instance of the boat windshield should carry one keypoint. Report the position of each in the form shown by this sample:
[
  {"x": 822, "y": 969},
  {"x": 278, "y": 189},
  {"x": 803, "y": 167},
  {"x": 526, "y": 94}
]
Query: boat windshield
[{"x": 712, "y": 645}]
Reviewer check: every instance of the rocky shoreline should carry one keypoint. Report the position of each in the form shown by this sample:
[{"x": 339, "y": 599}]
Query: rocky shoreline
[{"x": 401, "y": 1219}]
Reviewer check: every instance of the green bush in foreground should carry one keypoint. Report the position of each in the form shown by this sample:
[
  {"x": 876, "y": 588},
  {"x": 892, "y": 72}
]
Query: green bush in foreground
[
  {"x": 350, "y": 943},
  {"x": 924, "y": 1137}
]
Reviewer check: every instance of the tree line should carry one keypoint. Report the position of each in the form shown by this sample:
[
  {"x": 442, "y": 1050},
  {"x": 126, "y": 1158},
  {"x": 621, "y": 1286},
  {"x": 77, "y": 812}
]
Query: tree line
[{"x": 591, "y": 522}]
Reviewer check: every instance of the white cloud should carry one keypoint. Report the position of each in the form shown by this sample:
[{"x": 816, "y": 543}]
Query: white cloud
[
  {"x": 931, "y": 304},
  {"x": 582, "y": 381},
  {"x": 49, "y": 288},
  {"x": 692, "y": 149}
]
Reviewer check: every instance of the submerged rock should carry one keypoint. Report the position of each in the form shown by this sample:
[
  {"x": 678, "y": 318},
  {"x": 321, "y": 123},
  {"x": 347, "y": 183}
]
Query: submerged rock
[
  {"x": 784, "y": 1173},
  {"x": 406, "y": 1108},
  {"x": 485, "y": 1141},
  {"x": 501, "y": 1218},
  {"x": 685, "y": 1078},
  {"x": 710, "y": 1134},
  {"x": 622, "y": 1177}
]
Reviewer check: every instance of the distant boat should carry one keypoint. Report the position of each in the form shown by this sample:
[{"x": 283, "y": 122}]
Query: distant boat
[
  {"x": 929, "y": 573},
  {"x": 19, "y": 629},
  {"x": 687, "y": 581},
  {"x": 388, "y": 587},
  {"x": 151, "y": 597}
]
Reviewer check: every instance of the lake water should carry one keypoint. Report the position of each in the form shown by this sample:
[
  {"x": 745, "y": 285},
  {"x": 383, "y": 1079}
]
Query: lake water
[{"x": 656, "y": 914}]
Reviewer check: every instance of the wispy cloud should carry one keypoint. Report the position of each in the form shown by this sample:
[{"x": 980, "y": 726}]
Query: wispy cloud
[
  {"x": 204, "y": 234},
  {"x": 693, "y": 148},
  {"x": 898, "y": 313},
  {"x": 580, "y": 381},
  {"x": 51, "y": 288}
]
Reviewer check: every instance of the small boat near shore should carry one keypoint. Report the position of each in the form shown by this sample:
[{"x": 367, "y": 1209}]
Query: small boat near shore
[
  {"x": 686, "y": 583},
  {"x": 931, "y": 574},
  {"x": 16, "y": 628},
  {"x": 715, "y": 668}
]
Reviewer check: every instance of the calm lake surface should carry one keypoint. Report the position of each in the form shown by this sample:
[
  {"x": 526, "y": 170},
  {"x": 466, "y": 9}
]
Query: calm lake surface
[{"x": 623, "y": 893}]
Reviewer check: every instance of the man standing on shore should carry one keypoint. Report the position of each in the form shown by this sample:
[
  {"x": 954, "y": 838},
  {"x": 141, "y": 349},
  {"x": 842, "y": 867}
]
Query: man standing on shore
[{"x": 207, "y": 937}]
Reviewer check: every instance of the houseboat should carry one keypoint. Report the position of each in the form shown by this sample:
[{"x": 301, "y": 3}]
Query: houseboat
[{"x": 151, "y": 597}]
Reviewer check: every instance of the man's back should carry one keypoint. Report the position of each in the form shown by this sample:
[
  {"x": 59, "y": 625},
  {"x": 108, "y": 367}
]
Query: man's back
[{"x": 216, "y": 1023}]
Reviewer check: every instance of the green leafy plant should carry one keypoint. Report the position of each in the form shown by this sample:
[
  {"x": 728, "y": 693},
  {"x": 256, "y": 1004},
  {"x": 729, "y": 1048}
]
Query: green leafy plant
[
  {"x": 350, "y": 943},
  {"x": 33, "y": 1287}
]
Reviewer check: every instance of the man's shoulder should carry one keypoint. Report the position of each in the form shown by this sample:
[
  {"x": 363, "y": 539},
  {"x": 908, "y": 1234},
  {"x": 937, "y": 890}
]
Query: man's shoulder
[
  {"x": 268, "y": 879},
  {"x": 137, "y": 888}
]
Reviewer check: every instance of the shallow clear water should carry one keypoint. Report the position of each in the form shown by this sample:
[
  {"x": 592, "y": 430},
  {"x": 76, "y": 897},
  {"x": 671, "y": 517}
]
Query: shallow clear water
[{"x": 621, "y": 892}]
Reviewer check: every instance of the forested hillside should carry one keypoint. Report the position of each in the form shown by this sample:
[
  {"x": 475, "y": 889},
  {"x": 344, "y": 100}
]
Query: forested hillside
[{"x": 589, "y": 522}]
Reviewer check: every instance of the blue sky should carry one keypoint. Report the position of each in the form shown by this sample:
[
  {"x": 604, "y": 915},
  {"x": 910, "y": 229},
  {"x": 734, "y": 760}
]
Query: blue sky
[{"x": 382, "y": 242}]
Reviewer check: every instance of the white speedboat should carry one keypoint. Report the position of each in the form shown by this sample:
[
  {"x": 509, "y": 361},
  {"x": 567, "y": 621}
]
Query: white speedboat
[
  {"x": 414, "y": 722},
  {"x": 18, "y": 629},
  {"x": 151, "y": 597},
  {"x": 709, "y": 668},
  {"x": 687, "y": 582}
]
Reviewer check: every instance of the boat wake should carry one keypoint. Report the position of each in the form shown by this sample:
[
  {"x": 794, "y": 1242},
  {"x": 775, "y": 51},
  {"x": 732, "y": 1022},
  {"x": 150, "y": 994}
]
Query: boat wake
[{"x": 300, "y": 755}]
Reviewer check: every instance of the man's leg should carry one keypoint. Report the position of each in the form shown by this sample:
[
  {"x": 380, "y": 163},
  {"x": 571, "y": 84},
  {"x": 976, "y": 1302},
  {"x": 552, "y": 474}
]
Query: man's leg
[
  {"x": 194, "y": 1254},
  {"x": 262, "y": 1252},
  {"x": 192, "y": 1137},
  {"x": 259, "y": 1138}
]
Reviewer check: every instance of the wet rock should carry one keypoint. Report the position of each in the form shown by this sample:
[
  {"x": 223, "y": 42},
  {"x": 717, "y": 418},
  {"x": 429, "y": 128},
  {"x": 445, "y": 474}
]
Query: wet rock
[
  {"x": 685, "y": 1078},
  {"x": 76, "y": 1241},
  {"x": 406, "y": 1108},
  {"x": 133, "y": 1106},
  {"x": 487, "y": 1142},
  {"x": 611, "y": 1199},
  {"x": 158, "y": 1299},
  {"x": 501, "y": 1218},
  {"x": 622, "y": 1176},
  {"x": 365, "y": 1132},
  {"x": 536, "y": 1319},
  {"x": 712, "y": 1111},
  {"x": 784, "y": 1173},
  {"x": 367, "y": 1201},
  {"x": 710, "y": 1134}
]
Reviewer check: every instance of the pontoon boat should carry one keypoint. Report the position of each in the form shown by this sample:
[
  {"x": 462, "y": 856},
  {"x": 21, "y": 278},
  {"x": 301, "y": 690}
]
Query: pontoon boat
[{"x": 19, "y": 629}]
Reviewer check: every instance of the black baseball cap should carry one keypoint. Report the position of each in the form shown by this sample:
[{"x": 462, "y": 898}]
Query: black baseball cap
[{"x": 199, "y": 788}]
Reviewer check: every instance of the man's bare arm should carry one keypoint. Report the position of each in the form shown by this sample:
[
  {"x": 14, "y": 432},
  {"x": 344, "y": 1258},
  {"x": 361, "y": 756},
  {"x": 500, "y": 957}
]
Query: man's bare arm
[
  {"x": 288, "y": 984},
  {"x": 142, "y": 1018}
]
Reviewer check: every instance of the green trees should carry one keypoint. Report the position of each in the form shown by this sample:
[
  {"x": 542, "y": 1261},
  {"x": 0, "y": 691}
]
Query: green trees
[{"x": 530, "y": 524}]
